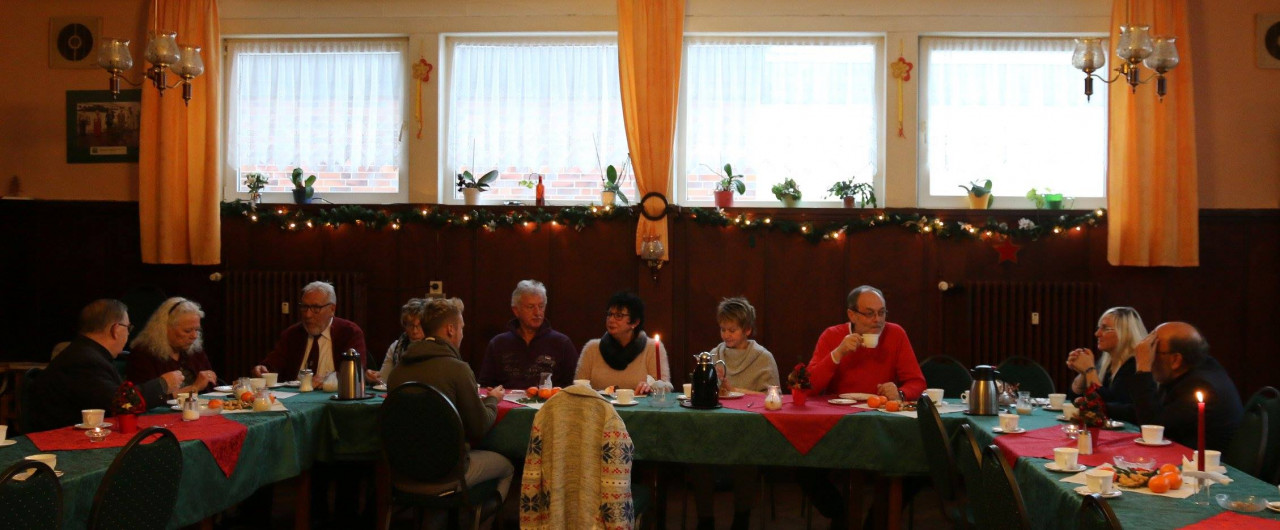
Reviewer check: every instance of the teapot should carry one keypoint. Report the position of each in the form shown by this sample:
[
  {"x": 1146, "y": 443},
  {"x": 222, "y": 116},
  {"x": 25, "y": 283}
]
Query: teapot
[
  {"x": 350, "y": 376},
  {"x": 706, "y": 381},
  {"x": 983, "y": 398}
]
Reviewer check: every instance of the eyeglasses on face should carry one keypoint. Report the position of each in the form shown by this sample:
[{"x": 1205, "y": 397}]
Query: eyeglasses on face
[
  {"x": 1106, "y": 329},
  {"x": 873, "y": 314},
  {"x": 617, "y": 316},
  {"x": 308, "y": 308},
  {"x": 128, "y": 327}
]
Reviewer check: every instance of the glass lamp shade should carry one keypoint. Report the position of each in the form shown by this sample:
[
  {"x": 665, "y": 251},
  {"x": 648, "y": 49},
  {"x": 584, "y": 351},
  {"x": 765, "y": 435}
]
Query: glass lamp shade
[
  {"x": 189, "y": 65},
  {"x": 1088, "y": 55},
  {"x": 1134, "y": 44},
  {"x": 163, "y": 51},
  {"x": 113, "y": 54},
  {"x": 1164, "y": 55}
]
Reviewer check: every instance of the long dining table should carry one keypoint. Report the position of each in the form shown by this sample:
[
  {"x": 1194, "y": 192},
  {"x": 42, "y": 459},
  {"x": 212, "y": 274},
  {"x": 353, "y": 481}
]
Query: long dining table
[{"x": 284, "y": 445}]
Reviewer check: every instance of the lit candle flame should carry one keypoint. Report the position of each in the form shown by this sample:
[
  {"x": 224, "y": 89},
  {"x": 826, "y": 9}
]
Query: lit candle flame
[{"x": 1200, "y": 396}]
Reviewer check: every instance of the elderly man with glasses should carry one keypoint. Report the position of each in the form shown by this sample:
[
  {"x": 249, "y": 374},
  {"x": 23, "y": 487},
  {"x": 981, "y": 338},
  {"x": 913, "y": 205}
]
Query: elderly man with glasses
[
  {"x": 313, "y": 342},
  {"x": 866, "y": 354},
  {"x": 83, "y": 376}
]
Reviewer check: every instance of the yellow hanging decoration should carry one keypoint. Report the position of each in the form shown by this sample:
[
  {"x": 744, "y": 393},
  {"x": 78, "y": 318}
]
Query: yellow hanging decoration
[
  {"x": 421, "y": 72},
  {"x": 901, "y": 70}
]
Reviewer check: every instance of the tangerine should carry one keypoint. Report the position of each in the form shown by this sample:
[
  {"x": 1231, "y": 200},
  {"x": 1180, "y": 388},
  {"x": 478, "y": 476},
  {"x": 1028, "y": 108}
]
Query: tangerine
[
  {"x": 1174, "y": 479},
  {"x": 246, "y": 396},
  {"x": 531, "y": 391},
  {"x": 874, "y": 402},
  {"x": 893, "y": 406},
  {"x": 1158, "y": 484},
  {"x": 1169, "y": 468},
  {"x": 555, "y": 390},
  {"x": 215, "y": 403},
  {"x": 544, "y": 393}
]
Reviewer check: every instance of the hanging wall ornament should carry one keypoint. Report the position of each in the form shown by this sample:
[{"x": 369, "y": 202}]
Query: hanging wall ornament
[
  {"x": 901, "y": 70},
  {"x": 422, "y": 73}
]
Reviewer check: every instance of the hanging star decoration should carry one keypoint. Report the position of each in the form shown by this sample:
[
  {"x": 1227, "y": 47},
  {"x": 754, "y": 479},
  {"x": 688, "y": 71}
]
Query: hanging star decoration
[
  {"x": 421, "y": 72},
  {"x": 901, "y": 70},
  {"x": 1007, "y": 249}
]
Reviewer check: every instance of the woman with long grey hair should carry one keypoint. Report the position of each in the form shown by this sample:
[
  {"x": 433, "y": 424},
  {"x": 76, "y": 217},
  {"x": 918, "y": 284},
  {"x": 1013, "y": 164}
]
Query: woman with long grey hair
[
  {"x": 172, "y": 341},
  {"x": 1119, "y": 331}
]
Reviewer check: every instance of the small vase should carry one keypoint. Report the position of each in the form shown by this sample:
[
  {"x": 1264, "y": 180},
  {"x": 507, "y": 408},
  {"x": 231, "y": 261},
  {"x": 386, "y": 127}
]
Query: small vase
[
  {"x": 979, "y": 203},
  {"x": 724, "y": 198},
  {"x": 607, "y": 198},
  {"x": 790, "y": 202},
  {"x": 128, "y": 423},
  {"x": 850, "y": 202},
  {"x": 471, "y": 196},
  {"x": 300, "y": 196},
  {"x": 799, "y": 396},
  {"x": 1053, "y": 201},
  {"x": 255, "y": 199}
]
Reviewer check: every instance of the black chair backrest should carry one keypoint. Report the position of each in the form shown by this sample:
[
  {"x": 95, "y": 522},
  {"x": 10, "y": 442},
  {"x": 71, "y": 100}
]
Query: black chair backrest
[
  {"x": 1269, "y": 398},
  {"x": 1028, "y": 374},
  {"x": 140, "y": 488},
  {"x": 1096, "y": 514},
  {"x": 422, "y": 435},
  {"x": 999, "y": 503},
  {"x": 947, "y": 373},
  {"x": 968, "y": 460},
  {"x": 27, "y": 399},
  {"x": 942, "y": 465},
  {"x": 33, "y": 503},
  {"x": 1248, "y": 448}
]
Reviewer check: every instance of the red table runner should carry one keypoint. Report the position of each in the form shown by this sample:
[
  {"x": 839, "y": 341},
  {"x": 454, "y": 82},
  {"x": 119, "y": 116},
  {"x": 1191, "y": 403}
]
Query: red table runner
[
  {"x": 803, "y": 426},
  {"x": 505, "y": 406},
  {"x": 222, "y": 437},
  {"x": 1040, "y": 443},
  {"x": 1235, "y": 520}
]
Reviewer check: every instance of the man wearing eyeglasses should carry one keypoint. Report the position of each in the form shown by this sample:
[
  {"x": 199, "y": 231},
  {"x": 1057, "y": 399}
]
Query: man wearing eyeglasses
[
  {"x": 83, "y": 377},
  {"x": 313, "y": 342},
  {"x": 867, "y": 354}
]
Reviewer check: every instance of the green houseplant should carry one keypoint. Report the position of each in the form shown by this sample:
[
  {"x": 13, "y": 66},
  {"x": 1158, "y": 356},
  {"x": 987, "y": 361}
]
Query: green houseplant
[
  {"x": 980, "y": 197},
  {"x": 302, "y": 190},
  {"x": 787, "y": 191},
  {"x": 611, "y": 185},
  {"x": 471, "y": 186},
  {"x": 1046, "y": 199},
  {"x": 728, "y": 184},
  {"x": 255, "y": 182},
  {"x": 854, "y": 192}
]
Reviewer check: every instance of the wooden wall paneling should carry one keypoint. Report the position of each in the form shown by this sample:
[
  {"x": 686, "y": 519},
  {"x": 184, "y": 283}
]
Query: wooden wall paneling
[
  {"x": 719, "y": 263},
  {"x": 455, "y": 252},
  {"x": 503, "y": 258},
  {"x": 805, "y": 291},
  {"x": 894, "y": 262},
  {"x": 588, "y": 266},
  {"x": 1259, "y": 352}
]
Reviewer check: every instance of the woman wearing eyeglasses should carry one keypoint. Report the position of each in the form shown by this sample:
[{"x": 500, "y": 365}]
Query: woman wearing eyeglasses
[
  {"x": 1120, "y": 329},
  {"x": 624, "y": 356},
  {"x": 412, "y": 333},
  {"x": 171, "y": 342}
]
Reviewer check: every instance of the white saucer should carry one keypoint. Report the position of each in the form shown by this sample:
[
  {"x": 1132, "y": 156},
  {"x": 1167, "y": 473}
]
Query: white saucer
[
  {"x": 383, "y": 388},
  {"x": 732, "y": 395},
  {"x": 841, "y": 401},
  {"x": 1053, "y": 466},
  {"x": 631, "y": 404},
  {"x": 998, "y": 430},
  {"x": 682, "y": 397},
  {"x": 856, "y": 396},
  {"x": 1273, "y": 506},
  {"x": 1050, "y": 407},
  {"x": 294, "y": 384},
  {"x": 84, "y": 427},
  {"x": 1165, "y": 441},
  {"x": 1084, "y": 490},
  {"x": 223, "y": 388},
  {"x": 6, "y": 443}
]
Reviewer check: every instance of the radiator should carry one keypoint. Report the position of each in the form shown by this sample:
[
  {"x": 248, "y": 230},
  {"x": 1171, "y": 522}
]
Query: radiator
[
  {"x": 1003, "y": 322},
  {"x": 261, "y": 304}
]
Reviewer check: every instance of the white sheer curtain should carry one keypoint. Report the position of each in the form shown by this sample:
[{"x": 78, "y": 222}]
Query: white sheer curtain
[
  {"x": 1011, "y": 110},
  {"x": 778, "y": 107},
  {"x": 536, "y": 104},
  {"x": 332, "y": 106}
]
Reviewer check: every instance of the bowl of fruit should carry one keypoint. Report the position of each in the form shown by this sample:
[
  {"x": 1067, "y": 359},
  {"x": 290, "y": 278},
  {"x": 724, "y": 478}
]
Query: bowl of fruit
[
  {"x": 1134, "y": 471},
  {"x": 1241, "y": 503}
]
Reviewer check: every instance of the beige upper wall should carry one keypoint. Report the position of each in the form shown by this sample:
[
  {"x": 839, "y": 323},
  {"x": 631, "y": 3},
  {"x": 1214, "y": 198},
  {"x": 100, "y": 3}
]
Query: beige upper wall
[{"x": 1238, "y": 104}]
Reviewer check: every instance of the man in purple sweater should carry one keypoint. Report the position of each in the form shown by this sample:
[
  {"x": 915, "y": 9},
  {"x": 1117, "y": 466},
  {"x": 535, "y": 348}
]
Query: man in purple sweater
[{"x": 518, "y": 357}]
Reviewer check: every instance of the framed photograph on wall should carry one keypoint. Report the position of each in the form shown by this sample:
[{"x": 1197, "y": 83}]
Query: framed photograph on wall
[
  {"x": 102, "y": 129},
  {"x": 1268, "y": 40}
]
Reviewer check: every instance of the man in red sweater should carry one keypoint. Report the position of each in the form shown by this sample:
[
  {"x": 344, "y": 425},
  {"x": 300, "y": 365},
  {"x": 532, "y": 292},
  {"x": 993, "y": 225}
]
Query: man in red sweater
[{"x": 867, "y": 354}]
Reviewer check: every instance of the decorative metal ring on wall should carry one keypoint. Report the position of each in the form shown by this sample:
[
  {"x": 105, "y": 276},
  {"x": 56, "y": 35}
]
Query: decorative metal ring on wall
[{"x": 644, "y": 208}]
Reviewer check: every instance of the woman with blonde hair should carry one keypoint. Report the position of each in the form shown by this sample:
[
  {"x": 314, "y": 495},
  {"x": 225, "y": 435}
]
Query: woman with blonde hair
[
  {"x": 171, "y": 341},
  {"x": 1120, "y": 329}
]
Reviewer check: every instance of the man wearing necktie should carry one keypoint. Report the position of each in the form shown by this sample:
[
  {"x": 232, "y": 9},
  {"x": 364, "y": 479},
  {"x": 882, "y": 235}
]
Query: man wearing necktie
[{"x": 315, "y": 339}]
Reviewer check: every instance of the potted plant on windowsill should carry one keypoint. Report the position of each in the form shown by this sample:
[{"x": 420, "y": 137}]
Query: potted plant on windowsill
[
  {"x": 611, "y": 185},
  {"x": 728, "y": 184},
  {"x": 471, "y": 186},
  {"x": 302, "y": 190},
  {"x": 980, "y": 197},
  {"x": 854, "y": 193},
  {"x": 788, "y": 192},
  {"x": 1047, "y": 199},
  {"x": 255, "y": 182}
]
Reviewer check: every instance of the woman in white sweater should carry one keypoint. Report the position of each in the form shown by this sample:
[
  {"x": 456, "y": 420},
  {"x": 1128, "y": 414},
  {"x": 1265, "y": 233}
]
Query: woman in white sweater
[{"x": 624, "y": 356}]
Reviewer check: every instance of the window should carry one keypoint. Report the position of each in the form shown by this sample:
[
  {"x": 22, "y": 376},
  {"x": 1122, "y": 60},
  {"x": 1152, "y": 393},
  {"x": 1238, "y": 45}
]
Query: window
[
  {"x": 778, "y": 107},
  {"x": 335, "y": 108},
  {"x": 547, "y": 105},
  {"x": 1013, "y": 111}
]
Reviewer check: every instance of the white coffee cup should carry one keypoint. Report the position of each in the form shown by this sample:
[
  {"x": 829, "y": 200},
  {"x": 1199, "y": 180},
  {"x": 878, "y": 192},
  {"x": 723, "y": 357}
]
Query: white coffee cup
[
  {"x": 688, "y": 390},
  {"x": 1069, "y": 411},
  {"x": 48, "y": 459},
  {"x": 870, "y": 340},
  {"x": 1154, "y": 434},
  {"x": 1008, "y": 422},
  {"x": 1100, "y": 481},
  {"x": 4, "y": 431},
  {"x": 1056, "y": 400},
  {"x": 1212, "y": 459},
  {"x": 1066, "y": 457},
  {"x": 257, "y": 383},
  {"x": 964, "y": 396},
  {"x": 92, "y": 417},
  {"x": 582, "y": 382},
  {"x": 270, "y": 379},
  {"x": 935, "y": 395},
  {"x": 626, "y": 395}
]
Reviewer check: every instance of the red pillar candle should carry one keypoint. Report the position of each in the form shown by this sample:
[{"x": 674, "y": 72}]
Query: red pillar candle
[{"x": 1200, "y": 432}]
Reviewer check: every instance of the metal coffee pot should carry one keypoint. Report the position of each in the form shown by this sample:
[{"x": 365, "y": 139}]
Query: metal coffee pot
[
  {"x": 350, "y": 376},
  {"x": 706, "y": 382},
  {"x": 983, "y": 399}
]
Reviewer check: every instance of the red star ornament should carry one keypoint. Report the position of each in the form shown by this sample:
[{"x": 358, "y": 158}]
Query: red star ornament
[{"x": 1008, "y": 251}]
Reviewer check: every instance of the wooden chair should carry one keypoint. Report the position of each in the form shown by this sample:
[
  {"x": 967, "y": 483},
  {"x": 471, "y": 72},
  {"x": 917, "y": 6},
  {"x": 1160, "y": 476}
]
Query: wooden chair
[
  {"x": 31, "y": 503},
  {"x": 140, "y": 489}
]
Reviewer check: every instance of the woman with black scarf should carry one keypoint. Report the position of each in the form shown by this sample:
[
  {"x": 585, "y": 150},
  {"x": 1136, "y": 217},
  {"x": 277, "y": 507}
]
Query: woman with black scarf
[{"x": 624, "y": 356}]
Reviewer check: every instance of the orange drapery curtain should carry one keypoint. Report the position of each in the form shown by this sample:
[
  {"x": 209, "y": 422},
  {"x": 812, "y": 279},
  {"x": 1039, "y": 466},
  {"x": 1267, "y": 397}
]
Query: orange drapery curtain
[
  {"x": 178, "y": 188},
  {"x": 650, "y": 43},
  {"x": 1152, "y": 182}
]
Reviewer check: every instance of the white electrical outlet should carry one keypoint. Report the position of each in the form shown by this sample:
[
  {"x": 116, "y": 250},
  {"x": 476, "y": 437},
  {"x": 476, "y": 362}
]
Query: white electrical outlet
[{"x": 1035, "y": 318}]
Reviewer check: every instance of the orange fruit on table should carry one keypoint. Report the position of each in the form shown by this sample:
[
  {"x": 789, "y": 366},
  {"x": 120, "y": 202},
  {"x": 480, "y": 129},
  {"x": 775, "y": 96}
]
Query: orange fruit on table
[
  {"x": 544, "y": 393},
  {"x": 893, "y": 406},
  {"x": 1170, "y": 468},
  {"x": 1159, "y": 484},
  {"x": 246, "y": 396},
  {"x": 1174, "y": 479},
  {"x": 531, "y": 391},
  {"x": 874, "y": 402},
  {"x": 555, "y": 390},
  {"x": 215, "y": 403}
]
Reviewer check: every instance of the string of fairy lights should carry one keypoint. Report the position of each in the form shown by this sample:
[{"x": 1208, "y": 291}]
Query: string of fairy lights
[{"x": 293, "y": 218}]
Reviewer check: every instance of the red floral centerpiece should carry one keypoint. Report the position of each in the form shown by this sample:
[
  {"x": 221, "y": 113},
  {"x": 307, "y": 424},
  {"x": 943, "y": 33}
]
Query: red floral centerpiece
[
  {"x": 798, "y": 382},
  {"x": 126, "y": 406},
  {"x": 1091, "y": 415}
]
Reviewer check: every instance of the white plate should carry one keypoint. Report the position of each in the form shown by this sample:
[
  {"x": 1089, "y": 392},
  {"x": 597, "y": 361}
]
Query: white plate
[
  {"x": 1053, "y": 466},
  {"x": 1165, "y": 441},
  {"x": 223, "y": 388},
  {"x": 631, "y": 404},
  {"x": 998, "y": 430},
  {"x": 26, "y": 475},
  {"x": 383, "y": 388},
  {"x": 6, "y": 443},
  {"x": 682, "y": 397},
  {"x": 841, "y": 401},
  {"x": 294, "y": 384},
  {"x": 1273, "y": 506},
  {"x": 104, "y": 425},
  {"x": 732, "y": 395},
  {"x": 856, "y": 396},
  {"x": 1084, "y": 490}
]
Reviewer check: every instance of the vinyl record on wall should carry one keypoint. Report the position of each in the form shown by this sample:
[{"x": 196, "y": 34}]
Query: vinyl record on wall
[
  {"x": 1268, "y": 40},
  {"x": 72, "y": 42}
]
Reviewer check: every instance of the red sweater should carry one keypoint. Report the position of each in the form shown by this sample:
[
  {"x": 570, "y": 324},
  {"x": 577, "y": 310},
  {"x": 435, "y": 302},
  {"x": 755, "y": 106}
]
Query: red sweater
[{"x": 861, "y": 370}]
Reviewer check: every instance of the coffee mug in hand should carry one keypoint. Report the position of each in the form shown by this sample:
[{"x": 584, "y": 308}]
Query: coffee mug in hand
[
  {"x": 1154, "y": 434},
  {"x": 47, "y": 459},
  {"x": 92, "y": 417},
  {"x": 626, "y": 395},
  {"x": 1100, "y": 481},
  {"x": 870, "y": 340}
]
